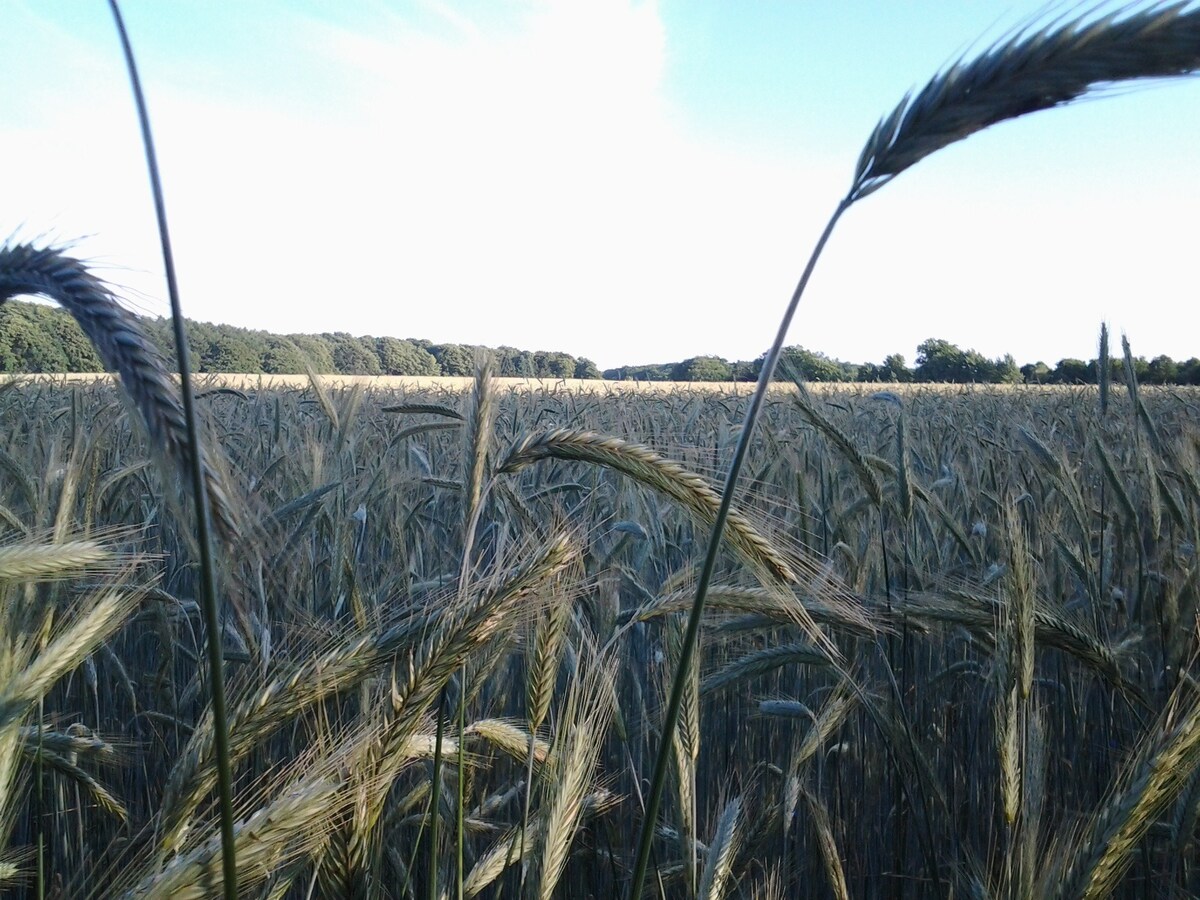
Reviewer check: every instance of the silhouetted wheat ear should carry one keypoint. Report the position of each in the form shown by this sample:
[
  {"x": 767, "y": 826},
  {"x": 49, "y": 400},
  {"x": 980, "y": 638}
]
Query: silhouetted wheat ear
[
  {"x": 123, "y": 348},
  {"x": 1034, "y": 69}
]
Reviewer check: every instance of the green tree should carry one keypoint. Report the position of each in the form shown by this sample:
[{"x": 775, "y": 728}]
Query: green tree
[
  {"x": 1073, "y": 371},
  {"x": 813, "y": 366},
  {"x": 653, "y": 372},
  {"x": 25, "y": 342},
  {"x": 514, "y": 363},
  {"x": 397, "y": 357},
  {"x": 1005, "y": 370},
  {"x": 1162, "y": 370},
  {"x": 894, "y": 369},
  {"x": 1189, "y": 372},
  {"x": 351, "y": 356},
  {"x": 281, "y": 356},
  {"x": 550, "y": 364},
  {"x": 702, "y": 368},
  {"x": 231, "y": 350},
  {"x": 1036, "y": 373},
  {"x": 746, "y": 369},
  {"x": 454, "y": 359},
  {"x": 585, "y": 368},
  {"x": 316, "y": 351},
  {"x": 76, "y": 348},
  {"x": 939, "y": 360}
]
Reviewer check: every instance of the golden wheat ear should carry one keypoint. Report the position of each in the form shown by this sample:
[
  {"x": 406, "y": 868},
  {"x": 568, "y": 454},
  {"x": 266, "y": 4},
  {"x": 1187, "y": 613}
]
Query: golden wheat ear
[
  {"x": 122, "y": 346},
  {"x": 1034, "y": 69}
]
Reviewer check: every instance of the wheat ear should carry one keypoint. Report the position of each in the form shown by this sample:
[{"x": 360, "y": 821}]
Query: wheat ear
[
  {"x": 589, "y": 711},
  {"x": 287, "y": 828},
  {"x": 35, "y": 561},
  {"x": 122, "y": 346},
  {"x": 662, "y": 475},
  {"x": 718, "y": 864},
  {"x": 1158, "y": 776},
  {"x": 1034, "y": 69}
]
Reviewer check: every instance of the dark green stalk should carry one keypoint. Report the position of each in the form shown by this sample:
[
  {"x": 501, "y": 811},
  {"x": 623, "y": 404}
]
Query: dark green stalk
[
  {"x": 459, "y": 834},
  {"x": 40, "y": 813},
  {"x": 671, "y": 720},
  {"x": 435, "y": 796},
  {"x": 208, "y": 595}
]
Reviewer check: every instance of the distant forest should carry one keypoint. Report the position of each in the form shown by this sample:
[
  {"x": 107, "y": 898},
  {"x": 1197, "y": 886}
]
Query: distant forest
[{"x": 36, "y": 338}]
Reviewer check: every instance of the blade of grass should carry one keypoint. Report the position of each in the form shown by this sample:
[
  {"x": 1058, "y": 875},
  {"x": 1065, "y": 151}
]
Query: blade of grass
[{"x": 199, "y": 494}]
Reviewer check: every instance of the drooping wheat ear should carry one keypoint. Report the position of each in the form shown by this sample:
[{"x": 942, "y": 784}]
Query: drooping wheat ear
[
  {"x": 825, "y": 609},
  {"x": 841, "y": 440},
  {"x": 1033, "y": 69},
  {"x": 259, "y": 714},
  {"x": 978, "y": 615},
  {"x": 512, "y": 846},
  {"x": 122, "y": 346},
  {"x": 69, "y": 769},
  {"x": 1139, "y": 405},
  {"x": 509, "y": 737},
  {"x": 424, "y": 409},
  {"x": 830, "y": 719},
  {"x": 670, "y": 478},
  {"x": 761, "y": 662}
]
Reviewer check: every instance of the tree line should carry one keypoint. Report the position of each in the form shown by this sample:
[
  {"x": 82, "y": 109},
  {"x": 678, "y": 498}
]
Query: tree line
[
  {"x": 938, "y": 361},
  {"x": 37, "y": 338}
]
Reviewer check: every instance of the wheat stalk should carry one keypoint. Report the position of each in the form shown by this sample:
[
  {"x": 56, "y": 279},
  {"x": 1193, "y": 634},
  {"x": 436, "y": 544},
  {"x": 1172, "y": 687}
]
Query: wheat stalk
[
  {"x": 1032, "y": 70},
  {"x": 649, "y": 468}
]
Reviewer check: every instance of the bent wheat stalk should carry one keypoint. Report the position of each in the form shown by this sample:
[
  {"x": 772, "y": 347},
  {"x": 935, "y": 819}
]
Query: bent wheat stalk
[
  {"x": 124, "y": 349},
  {"x": 1034, "y": 69},
  {"x": 662, "y": 475}
]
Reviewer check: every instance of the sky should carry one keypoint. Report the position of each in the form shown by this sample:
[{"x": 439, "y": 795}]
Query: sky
[{"x": 625, "y": 180}]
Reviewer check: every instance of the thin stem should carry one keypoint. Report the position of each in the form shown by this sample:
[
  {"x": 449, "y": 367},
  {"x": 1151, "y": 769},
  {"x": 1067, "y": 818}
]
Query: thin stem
[
  {"x": 459, "y": 834},
  {"x": 208, "y": 595},
  {"x": 435, "y": 798},
  {"x": 671, "y": 721}
]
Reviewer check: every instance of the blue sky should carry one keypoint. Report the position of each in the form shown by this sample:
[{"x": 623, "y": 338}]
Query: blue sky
[{"x": 628, "y": 181}]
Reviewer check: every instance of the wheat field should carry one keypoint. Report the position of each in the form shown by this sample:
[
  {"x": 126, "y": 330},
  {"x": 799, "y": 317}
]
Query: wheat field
[
  {"x": 441, "y": 640},
  {"x": 952, "y": 650}
]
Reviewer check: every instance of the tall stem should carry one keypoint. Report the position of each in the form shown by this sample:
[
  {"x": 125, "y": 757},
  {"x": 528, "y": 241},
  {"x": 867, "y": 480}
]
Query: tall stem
[
  {"x": 208, "y": 595},
  {"x": 671, "y": 721}
]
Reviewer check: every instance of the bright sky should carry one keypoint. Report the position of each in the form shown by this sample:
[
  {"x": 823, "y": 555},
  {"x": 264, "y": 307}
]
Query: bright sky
[{"x": 627, "y": 180}]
